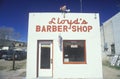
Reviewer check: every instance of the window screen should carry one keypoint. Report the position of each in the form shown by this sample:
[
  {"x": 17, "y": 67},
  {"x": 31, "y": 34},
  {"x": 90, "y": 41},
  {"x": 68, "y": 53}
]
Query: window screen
[{"x": 74, "y": 52}]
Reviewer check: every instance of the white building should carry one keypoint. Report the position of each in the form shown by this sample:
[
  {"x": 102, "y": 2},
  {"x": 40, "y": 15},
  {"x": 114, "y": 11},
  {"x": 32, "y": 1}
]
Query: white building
[
  {"x": 110, "y": 33},
  {"x": 61, "y": 47}
]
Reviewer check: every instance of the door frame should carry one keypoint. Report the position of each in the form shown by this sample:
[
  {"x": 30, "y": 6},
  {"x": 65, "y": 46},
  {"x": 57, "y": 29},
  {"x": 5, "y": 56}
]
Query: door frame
[{"x": 38, "y": 61}]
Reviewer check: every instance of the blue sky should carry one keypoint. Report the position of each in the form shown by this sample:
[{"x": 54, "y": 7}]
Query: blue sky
[{"x": 14, "y": 13}]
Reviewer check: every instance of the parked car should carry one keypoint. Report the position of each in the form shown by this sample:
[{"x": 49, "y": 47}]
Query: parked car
[
  {"x": 3, "y": 53},
  {"x": 17, "y": 55}
]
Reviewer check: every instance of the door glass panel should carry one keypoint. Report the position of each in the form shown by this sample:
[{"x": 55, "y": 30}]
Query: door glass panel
[{"x": 45, "y": 58}]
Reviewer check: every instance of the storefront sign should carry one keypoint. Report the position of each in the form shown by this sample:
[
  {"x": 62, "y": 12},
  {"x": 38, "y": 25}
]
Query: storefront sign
[{"x": 65, "y": 25}]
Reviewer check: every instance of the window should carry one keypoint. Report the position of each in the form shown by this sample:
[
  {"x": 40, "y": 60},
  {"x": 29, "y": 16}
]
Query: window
[
  {"x": 113, "y": 48},
  {"x": 45, "y": 58},
  {"x": 74, "y": 52}
]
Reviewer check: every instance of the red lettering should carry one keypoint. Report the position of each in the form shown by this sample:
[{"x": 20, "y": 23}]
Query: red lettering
[
  {"x": 54, "y": 28},
  {"x": 89, "y": 28},
  {"x": 48, "y": 28},
  {"x": 52, "y": 21},
  {"x": 37, "y": 28},
  {"x": 65, "y": 28},
  {"x": 59, "y": 28},
  {"x": 79, "y": 28},
  {"x": 43, "y": 29},
  {"x": 74, "y": 28},
  {"x": 64, "y": 25},
  {"x": 76, "y": 21},
  {"x": 61, "y": 22},
  {"x": 58, "y": 21},
  {"x": 85, "y": 28},
  {"x": 84, "y": 22}
]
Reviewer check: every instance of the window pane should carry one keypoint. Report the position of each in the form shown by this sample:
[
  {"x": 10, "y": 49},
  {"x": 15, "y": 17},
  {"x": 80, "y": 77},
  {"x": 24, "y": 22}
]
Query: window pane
[
  {"x": 45, "y": 58},
  {"x": 74, "y": 51}
]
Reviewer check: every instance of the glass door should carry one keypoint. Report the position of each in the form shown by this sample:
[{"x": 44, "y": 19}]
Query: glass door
[{"x": 45, "y": 59}]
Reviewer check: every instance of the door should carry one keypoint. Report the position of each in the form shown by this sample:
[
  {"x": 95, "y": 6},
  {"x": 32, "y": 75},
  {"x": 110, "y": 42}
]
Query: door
[{"x": 45, "y": 59}]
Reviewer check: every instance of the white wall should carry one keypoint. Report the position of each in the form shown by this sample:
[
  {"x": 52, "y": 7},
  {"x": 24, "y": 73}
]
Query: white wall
[
  {"x": 93, "y": 68},
  {"x": 108, "y": 35},
  {"x": 116, "y": 28},
  {"x": 111, "y": 33}
]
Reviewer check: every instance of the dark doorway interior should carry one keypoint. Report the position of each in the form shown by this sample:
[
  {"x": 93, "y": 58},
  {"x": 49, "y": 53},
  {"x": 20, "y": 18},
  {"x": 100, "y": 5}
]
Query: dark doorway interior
[{"x": 45, "y": 58}]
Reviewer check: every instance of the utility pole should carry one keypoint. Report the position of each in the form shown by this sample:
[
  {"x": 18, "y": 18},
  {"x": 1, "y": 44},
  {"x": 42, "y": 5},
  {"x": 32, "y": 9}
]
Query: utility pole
[
  {"x": 13, "y": 60},
  {"x": 81, "y": 6}
]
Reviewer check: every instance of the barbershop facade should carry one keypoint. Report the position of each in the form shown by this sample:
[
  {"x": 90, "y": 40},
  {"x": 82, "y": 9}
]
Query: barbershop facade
[{"x": 64, "y": 47}]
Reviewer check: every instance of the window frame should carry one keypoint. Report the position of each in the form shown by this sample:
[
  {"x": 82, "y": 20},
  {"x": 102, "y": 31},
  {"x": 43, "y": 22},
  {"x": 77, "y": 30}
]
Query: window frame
[{"x": 81, "y": 62}]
